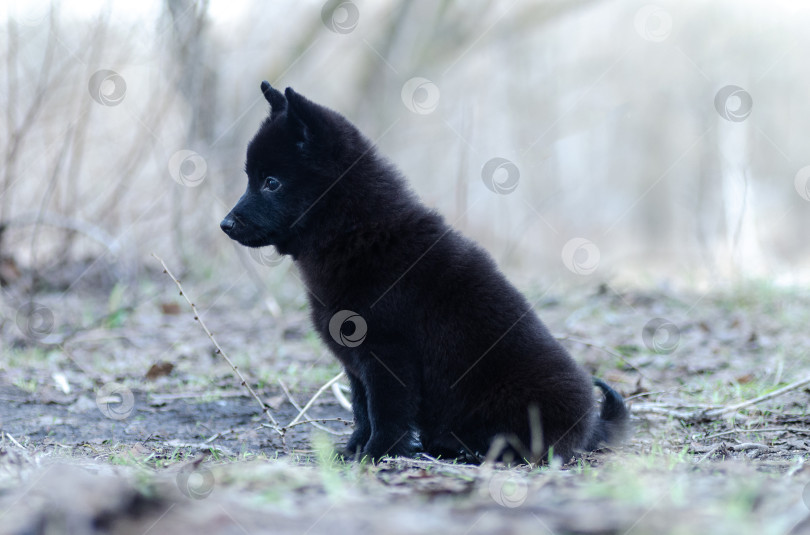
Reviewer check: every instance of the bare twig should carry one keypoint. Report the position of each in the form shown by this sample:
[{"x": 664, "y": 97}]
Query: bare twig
[
  {"x": 716, "y": 413},
  {"x": 695, "y": 413},
  {"x": 315, "y": 423},
  {"x": 645, "y": 394},
  {"x": 220, "y": 351},
  {"x": 316, "y": 396},
  {"x": 12, "y": 439},
  {"x": 684, "y": 412},
  {"x": 219, "y": 435},
  {"x": 309, "y": 421},
  {"x": 796, "y": 430},
  {"x": 337, "y": 390},
  {"x": 745, "y": 446},
  {"x": 718, "y": 446}
]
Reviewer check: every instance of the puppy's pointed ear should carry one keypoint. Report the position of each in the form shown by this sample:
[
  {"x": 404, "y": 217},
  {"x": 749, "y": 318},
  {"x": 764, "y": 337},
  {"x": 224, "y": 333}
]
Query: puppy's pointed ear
[
  {"x": 299, "y": 116},
  {"x": 277, "y": 101},
  {"x": 296, "y": 100}
]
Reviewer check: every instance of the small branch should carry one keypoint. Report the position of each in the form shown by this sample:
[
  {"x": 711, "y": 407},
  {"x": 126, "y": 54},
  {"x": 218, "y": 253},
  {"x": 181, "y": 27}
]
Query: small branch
[
  {"x": 686, "y": 413},
  {"x": 797, "y": 430},
  {"x": 12, "y": 439},
  {"x": 316, "y": 423},
  {"x": 219, "y": 435},
  {"x": 317, "y": 394},
  {"x": 300, "y": 411},
  {"x": 309, "y": 421},
  {"x": 716, "y": 413},
  {"x": 645, "y": 394},
  {"x": 715, "y": 448},
  {"x": 337, "y": 390},
  {"x": 745, "y": 446},
  {"x": 219, "y": 351},
  {"x": 694, "y": 413}
]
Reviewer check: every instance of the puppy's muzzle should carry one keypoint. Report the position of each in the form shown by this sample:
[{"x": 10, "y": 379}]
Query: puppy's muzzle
[{"x": 227, "y": 225}]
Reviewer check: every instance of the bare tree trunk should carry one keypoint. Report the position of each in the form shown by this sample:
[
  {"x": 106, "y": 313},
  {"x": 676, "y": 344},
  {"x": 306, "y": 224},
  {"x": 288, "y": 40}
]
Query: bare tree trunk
[{"x": 197, "y": 83}]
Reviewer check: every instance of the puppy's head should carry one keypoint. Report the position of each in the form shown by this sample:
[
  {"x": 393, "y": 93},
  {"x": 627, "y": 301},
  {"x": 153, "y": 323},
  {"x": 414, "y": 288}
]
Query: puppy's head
[{"x": 292, "y": 162}]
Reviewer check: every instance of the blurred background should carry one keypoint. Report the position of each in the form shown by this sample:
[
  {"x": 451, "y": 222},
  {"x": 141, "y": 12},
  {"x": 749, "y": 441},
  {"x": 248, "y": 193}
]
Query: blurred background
[{"x": 579, "y": 141}]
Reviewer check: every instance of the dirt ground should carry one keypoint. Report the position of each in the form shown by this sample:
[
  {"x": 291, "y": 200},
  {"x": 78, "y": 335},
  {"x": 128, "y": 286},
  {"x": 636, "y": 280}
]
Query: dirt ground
[{"x": 118, "y": 416}]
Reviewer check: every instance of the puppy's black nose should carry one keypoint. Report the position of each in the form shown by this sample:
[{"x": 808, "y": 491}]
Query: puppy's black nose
[{"x": 227, "y": 224}]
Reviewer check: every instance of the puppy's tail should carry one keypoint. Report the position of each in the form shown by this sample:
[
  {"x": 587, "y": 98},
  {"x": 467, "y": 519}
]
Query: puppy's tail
[{"x": 613, "y": 424}]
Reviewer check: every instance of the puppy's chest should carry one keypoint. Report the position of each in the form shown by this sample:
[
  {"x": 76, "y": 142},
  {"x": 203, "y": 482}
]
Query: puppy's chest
[{"x": 344, "y": 331}]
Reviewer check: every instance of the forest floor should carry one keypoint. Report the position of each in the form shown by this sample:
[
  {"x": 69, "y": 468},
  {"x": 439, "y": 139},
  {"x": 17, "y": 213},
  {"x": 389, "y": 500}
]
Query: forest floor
[{"x": 118, "y": 416}]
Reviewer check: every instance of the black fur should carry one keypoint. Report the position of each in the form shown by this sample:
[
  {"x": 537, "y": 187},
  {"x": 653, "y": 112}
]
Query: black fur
[{"x": 453, "y": 356}]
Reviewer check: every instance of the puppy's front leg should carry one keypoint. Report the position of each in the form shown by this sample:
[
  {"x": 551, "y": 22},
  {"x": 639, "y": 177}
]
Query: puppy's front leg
[
  {"x": 393, "y": 393},
  {"x": 362, "y": 425}
]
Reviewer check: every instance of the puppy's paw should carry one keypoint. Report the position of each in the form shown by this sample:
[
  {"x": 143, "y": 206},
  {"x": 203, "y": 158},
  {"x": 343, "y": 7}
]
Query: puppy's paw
[
  {"x": 356, "y": 445},
  {"x": 381, "y": 446},
  {"x": 348, "y": 454}
]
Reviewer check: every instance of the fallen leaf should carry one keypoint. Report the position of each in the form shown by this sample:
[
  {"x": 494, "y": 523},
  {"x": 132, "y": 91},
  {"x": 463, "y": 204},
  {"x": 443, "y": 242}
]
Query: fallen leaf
[
  {"x": 170, "y": 309},
  {"x": 159, "y": 369}
]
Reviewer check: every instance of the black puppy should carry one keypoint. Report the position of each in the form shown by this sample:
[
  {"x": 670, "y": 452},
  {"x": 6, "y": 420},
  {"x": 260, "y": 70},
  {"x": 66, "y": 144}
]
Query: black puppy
[{"x": 442, "y": 352}]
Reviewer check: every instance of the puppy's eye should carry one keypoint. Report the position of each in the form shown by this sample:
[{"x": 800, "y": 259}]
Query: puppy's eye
[{"x": 271, "y": 184}]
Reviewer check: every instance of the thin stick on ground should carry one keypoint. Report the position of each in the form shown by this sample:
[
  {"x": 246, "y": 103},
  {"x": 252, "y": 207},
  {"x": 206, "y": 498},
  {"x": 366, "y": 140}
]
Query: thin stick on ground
[
  {"x": 760, "y": 399},
  {"x": 688, "y": 413},
  {"x": 713, "y": 414},
  {"x": 14, "y": 440},
  {"x": 320, "y": 391},
  {"x": 797, "y": 430},
  {"x": 717, "y": 447},
  {"x": 220, "y": 351},
  {"x": 341, "y": 397},
  {"x": 315, "y": 422}
]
